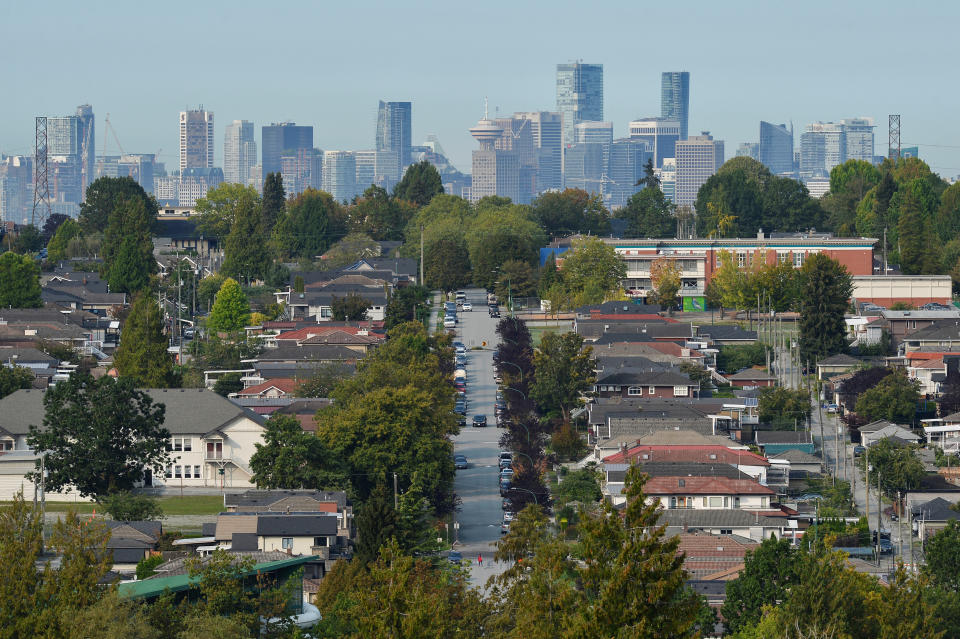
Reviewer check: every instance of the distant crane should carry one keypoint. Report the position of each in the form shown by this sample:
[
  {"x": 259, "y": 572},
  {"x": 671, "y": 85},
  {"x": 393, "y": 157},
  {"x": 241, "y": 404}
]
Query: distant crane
[{"x": 107, "y": 126}]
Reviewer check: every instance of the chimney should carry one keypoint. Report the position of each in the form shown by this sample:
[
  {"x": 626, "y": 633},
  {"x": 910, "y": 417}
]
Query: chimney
[{"x": 760, "y": 234}]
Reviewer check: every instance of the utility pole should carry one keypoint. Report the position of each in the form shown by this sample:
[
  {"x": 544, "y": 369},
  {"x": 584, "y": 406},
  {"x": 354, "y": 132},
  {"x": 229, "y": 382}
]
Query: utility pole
[
  {"x": 422, "y": 283},
  {"x": 879, "y": 520},
  {"x": 396, "y": 499},
  {"x": 866, "y": 480},
  {"x": 899, "y": 526}
]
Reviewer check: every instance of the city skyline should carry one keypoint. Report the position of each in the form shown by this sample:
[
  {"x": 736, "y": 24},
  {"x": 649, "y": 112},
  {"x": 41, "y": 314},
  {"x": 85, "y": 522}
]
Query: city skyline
[{"x": 734, "y": 85}]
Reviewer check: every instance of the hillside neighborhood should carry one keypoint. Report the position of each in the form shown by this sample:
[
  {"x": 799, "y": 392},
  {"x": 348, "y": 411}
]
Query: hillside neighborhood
[{"x": 312, "y": 411}]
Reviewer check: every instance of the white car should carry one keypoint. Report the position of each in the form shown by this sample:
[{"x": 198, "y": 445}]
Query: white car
[
  {"x": 467, "y": 306},
  {"x": 449, "y": 322}
]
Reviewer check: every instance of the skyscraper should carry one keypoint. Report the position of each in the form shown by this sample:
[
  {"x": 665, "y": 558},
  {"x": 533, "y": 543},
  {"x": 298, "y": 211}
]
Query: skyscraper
[
  {"x": 546, "y": 129},
  {"x": 239, "y": 152},
  {"x": 823, "y": 145},
  {"x": 277, "y": 140},
  {"x": 495, "y": 172},
  {"x": 88, "y": 152},
  {"x": 859, "y": 138},
  {"x": 517, "y": 137},
  {"x": 661, "y": 134},
  {"x": 196, "y": 140},
  {"x": 340, "y": 175},
  {"x": 749, "y": 150},
  {"x": 301, "y": 170},
  {"x": 579, "y": 95},
  {"x": 675, "y": 98},
  {"x": 393, "y": 132},
  {"x": 624, "y": 168},
  {"x": 776, "y": 147},
  {"x": 698, "y": 157}
]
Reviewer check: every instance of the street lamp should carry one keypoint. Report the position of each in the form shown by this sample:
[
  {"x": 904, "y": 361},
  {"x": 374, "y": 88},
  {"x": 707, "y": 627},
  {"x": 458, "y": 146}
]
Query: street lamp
[
  {"x": 516, "y": 367},
  {"x": 535, "y": 498}
]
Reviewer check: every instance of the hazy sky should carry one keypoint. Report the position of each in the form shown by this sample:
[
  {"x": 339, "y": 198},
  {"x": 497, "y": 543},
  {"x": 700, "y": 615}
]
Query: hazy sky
[{"x": 327, "y": 64}]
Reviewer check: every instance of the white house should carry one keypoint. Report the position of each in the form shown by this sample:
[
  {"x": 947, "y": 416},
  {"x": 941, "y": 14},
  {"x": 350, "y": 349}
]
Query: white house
[
  {"x": 211, "y": 440},
  {"x": 944, "y": 432}
]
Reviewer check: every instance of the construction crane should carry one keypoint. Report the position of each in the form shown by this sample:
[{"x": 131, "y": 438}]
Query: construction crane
[{"x": 107, "y": 126}]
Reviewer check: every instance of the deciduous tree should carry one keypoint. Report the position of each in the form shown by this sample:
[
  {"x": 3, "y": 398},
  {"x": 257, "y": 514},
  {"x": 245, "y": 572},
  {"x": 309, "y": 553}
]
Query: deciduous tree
[
  {"x": 292, "y": 458},
  {"x": 898, "y": 467},
  {"x": 19, "y": 281},
  {"x": 893, "y": 398},
  {"x": 99, "y": 435},
  {"x": 649, "y": 214},
  {"x": 231, "y": 310},
  {"x": 13, "y": 378},
  {"x": 563, "y": 369},
  {"x": 665, "y": 279},
  {"x": 420, "y": 183},
  {"x": 313, "y": 222},
  {"x": 571, "y": 211},
  {"x": 350, "y": 308},
  {"x": 60, "y": 240}
]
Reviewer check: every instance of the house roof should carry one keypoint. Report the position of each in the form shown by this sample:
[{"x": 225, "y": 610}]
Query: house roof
[
  {"x": 938, "y": 509},
  {"x": 593, "y": 328},
  {"x": 25, "y": 355},
  {"x": 719, "y": 517},
  {"x": 727, "y": 332},
  {"x": 284, "y": 385},
  {"x": 643, "y": 377},
  {"x": 146, "y": 531},
  {"x": 704, "y": 486},
  {"x": 296, "y": 525},
  {"x": 699, "y": 454},
  {"x": 685, "y": 438},
  {"x": 188, "y": 410},
  {"x": 705, "y": 554},
  {"x": 941, "y": 330},
  {"x": 840, "y": 359},
  {"x": 750, "y": 374},
  {"x": 656, "y": 351},
  {"x": 796, "y": 456},
  {"x": 306, "y": 333},
  {"x": 617, "y": 472},
  {"x": 782, "y": 437},
  {"x": 308, "y": 352}
]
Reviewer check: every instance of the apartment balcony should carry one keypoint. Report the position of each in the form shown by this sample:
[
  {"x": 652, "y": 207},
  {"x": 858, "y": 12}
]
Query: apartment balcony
[{"x": 692, "y": 291}]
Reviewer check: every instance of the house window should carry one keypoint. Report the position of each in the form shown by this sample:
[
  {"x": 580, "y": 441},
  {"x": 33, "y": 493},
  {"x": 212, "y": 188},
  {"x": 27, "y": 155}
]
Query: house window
[
  {"x": 726, "y": 531},
  {"x": 169, "y": 472},
  {"x": 319, "y": 541},
  {"x": 797, "y": 259},
  {"x": 716, "y": 502},
  {"x": 196, "y": 472},
  {"x": 634, "y": 391},
  {"x": 326, "y": 312},
  {"x": 182, "y": 444},
  {"x": 679, "y": 391},
  {"x": 704, "y": 502},
  {"x": 736, "y": 502},
  {"x": 741, "y": 259},
  {"x": 214, "y": 450},
  {"x": 651, "y": 390},
  {"x": 286, "y": 543},
  {"x": 673, "y": 502},
  {"x": 6, "y": 444},
  {"x": 178, "y": 472},
  {"x": 783, "y": 257}
]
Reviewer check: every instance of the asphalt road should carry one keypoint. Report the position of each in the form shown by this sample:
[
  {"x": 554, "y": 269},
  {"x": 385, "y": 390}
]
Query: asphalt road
[{"x": 480, "y": 514}]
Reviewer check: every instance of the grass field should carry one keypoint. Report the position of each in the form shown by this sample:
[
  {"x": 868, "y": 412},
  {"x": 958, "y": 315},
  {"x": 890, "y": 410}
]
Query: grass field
[
  {"x": 537, "y": 332},
  {"x": 189, "y": 505}
]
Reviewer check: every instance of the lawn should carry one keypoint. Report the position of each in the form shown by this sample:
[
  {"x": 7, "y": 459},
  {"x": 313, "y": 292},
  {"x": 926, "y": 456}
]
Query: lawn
[
  {"x": 188, "y": 505},
  {"x": 537, "y": 332}
]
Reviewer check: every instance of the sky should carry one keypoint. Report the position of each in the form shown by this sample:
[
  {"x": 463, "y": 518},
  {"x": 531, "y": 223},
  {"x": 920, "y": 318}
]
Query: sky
[{"x": 327, "y": 64}]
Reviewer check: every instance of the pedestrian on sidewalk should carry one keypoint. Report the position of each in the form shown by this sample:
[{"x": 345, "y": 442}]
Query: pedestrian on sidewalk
[{"x": 480, "y": 559}]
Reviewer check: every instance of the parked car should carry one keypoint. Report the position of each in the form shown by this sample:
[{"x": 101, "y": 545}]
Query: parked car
[
  {"x": 506, "y": 473},
  {"x": 455, "y": 557},
  {"x": 504, "y": 487},
  {"x": 859, "y": 450},
  {"x": 505, "y": 463},
  {"x": 459, "y": 348},
  {"x": 479, "y": 421},
  {"x": 508, "y": 504},
  {"x": 494, "y": 312},
  {"x": 508, "y": 516},
  {"x": 832, "y": 408},
  {"x": 460, "y": 407},
  {"x": 462, "y": 421},
  {"x": 504, "y": 528},
  {"x": 460, "y": 461}
]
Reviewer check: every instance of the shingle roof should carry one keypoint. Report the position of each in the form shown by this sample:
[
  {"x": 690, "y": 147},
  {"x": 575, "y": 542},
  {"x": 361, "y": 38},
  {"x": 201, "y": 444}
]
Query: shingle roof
[
  {"x": 284, "y": 385},
  {"x": 643, "y": 377},
  {"x": 671, "y": 469},
  {"x": 308, "y": 352},
  {"x": 938, "y": 509},
  {"x": 296, "y": 525},
  {"x": 782, "y": 437},
  {"x": 840, "y": 359},
  {"x": 704, "y": 486},
  {"x": 262, "y": 499},
  {"x": 188, "y": 410},
  {"x": 726, "y": 332},
  {"x": 798, "y": 457},
  {"x": 694, "y": 518},
  {"x": 750, "y": 374},
  {"x": 696, "y": 454}
]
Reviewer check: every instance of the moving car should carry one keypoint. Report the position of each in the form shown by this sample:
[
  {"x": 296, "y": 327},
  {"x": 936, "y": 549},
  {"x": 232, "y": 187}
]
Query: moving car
[
  {"x": 479, "y": 421},
  {"x": 467, "y": 306},
  {"x": 455, "y": 557},
  {"x": 460, "y": 461},
  {"x": 449, "y": 322}
]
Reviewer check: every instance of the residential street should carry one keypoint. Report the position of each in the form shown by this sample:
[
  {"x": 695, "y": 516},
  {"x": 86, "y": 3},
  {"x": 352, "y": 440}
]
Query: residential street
[{"x": 480, "y": 513}]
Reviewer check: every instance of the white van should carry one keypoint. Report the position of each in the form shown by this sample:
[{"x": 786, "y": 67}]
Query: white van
[{"x": 459, "y": 374}]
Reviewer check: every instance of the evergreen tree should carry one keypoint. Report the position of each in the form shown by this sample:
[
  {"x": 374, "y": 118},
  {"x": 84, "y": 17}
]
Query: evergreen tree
[
  {"x": 311, "y": 225},
  {"x": 231, "y": 310},
  {"x": 19, "y": 281},
  {"x": 274, "y": 200},
  {"x": 247, "y": 254},
  {"x": 918, "y": 255},
  {"x": 825, "y": 291},
  {"x": 128, "y": 247},
  {"x": 28, "y": 240},
  {"x": 105, "y": 195},
  {"x": 376, "y": 524},
  {"x": 768, "y": 573},
  {"x": 142, "y": 354},
  {"x": 419, "y": 184},
  {"x": 57, "y": 247},
  {"x": 13, "y": 378}
]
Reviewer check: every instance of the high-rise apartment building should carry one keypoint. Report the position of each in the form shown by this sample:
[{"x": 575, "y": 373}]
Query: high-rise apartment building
[
  {"x": 675, "y": 98},
  {"x": 393, "y": 133},
  {"x": 239, "y": 152},
  {"x": 517, "y": 138},
  {"x": 584, "y": 167},
  {"x": 660, "y": 134},
  {"x": 749, "y": 150},
  {"x": 281, "y": 139},
  {"x": 301, "y": 170},
  {"x": 668, "y": 178},
  {"x": 823, "y": 145},
  {"x": 495, "y": 171},
  {"x": 579, "y": 95},
  {"x": 698, "y": 157},
  {"x": 624, "y": 168},
  {"x": 88, "y": 152},
  {"x": 776, "y": 148},
  {"x": 16, "y": 182},
  {"x": 340, "y": 175},
  {"x": 546, "y": 130},
  {"x": 70, "y": 140},
  {"x": 859, "y": 138},
  {"x": 196, "y": 140}
]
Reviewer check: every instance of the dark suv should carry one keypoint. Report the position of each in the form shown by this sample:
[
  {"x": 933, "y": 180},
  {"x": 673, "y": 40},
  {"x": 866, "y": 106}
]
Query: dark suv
[{"x": 479, "y": 421}]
